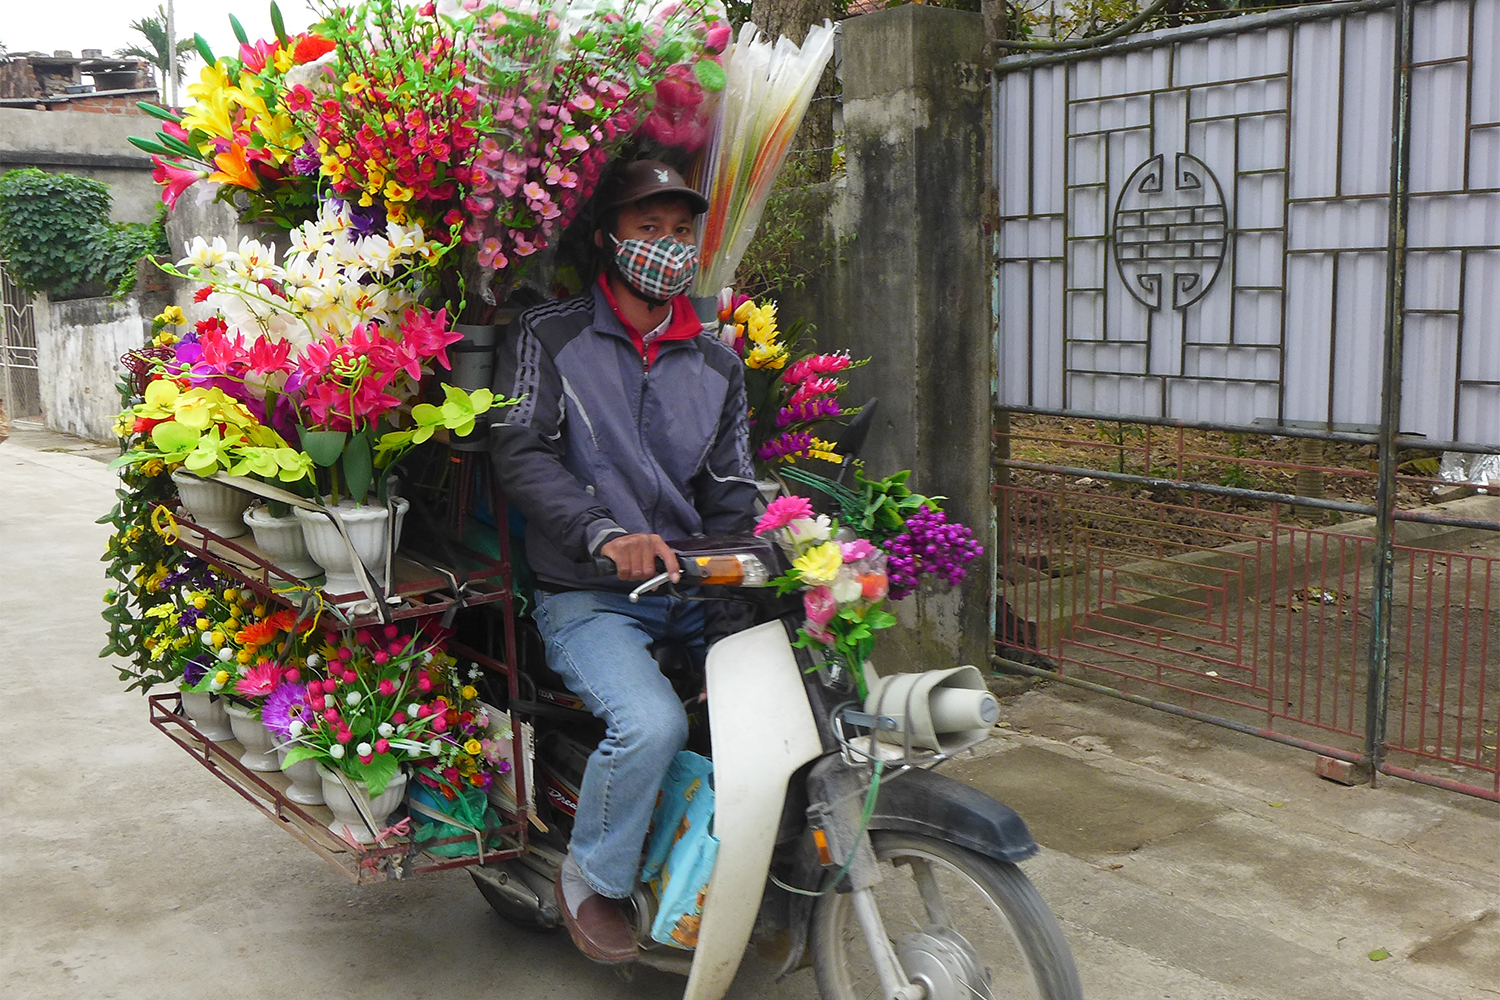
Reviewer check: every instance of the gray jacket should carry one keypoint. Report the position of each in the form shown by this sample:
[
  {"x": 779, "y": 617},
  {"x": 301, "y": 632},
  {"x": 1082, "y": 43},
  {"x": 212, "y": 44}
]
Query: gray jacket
[{"x": 604, "y": 445}]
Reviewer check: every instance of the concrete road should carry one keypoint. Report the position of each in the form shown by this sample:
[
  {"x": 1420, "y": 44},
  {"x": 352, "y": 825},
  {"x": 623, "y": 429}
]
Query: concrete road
[{"x": 1184, "y": 862}]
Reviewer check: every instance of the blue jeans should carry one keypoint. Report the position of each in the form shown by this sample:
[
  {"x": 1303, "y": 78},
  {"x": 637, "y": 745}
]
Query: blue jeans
[{"x": 596, "y": 640}]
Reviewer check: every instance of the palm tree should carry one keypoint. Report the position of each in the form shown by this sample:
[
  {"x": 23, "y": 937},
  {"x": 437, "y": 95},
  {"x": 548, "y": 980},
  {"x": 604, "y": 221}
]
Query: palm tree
[{"x": 153, "y": 27}]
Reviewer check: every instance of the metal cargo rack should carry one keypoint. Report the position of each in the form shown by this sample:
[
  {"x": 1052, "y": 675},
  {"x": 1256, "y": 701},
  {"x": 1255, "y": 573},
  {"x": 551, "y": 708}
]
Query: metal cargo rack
[{"x": 421, "y": 588}]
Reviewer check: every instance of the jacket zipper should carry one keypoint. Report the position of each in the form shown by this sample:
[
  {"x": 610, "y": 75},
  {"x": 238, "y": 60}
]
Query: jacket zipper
[{"x": 640, "y": 430}]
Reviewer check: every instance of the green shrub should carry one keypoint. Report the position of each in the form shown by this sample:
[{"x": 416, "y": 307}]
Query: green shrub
[{"x": 56, "y": 237}]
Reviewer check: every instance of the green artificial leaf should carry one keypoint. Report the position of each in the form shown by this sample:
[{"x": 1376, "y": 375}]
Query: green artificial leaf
[
  {"x": 204, "y": 51},
  {"x": 378, "y": 773},
  {"x": 324, "y": 447},
  {"x": 358, "y": 467},
  {"x": 710, "y": 74},
  {"x": 277, "y": 24},
  {"x": 177, "y": 145},
  {"x": 239, "y": 31},
  {"x": 297, "y": 754},
  {"x": 159, "y": 112},
  {"x": 146, "y": 145}
]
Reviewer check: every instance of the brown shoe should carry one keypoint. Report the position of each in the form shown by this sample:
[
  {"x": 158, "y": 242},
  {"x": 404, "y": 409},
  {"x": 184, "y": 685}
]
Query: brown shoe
[{"x": 602, "y": 930}]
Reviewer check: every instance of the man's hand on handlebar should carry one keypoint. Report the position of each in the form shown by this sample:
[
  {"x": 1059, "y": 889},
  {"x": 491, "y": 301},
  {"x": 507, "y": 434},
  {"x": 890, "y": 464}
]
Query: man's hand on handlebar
[{"x": 635, "y": 556}]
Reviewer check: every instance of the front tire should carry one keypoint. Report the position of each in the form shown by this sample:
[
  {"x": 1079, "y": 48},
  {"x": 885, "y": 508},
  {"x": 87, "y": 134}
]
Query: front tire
[{"x": 967, "y": 926}]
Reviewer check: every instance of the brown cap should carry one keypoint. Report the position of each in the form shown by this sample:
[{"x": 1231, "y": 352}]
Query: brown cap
[{"x": 642, "y": 179}]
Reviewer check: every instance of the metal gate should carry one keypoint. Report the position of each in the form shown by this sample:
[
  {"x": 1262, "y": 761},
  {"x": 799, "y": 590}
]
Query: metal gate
[
  {"x": 20, "y": 387},
  {"x": 1249, "y": 372}
]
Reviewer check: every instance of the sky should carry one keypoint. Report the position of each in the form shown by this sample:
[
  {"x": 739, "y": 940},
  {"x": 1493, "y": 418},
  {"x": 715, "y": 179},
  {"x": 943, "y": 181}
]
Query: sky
[{"x": 48, "y": 25}]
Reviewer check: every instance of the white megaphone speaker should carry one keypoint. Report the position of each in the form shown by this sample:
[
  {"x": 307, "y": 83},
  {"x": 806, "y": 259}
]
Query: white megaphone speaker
[{"x": 942, "y": 710}]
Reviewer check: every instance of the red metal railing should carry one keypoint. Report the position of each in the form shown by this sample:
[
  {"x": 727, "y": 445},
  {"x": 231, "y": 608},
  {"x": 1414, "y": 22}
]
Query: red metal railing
[{"x": 1241, "y": 614}]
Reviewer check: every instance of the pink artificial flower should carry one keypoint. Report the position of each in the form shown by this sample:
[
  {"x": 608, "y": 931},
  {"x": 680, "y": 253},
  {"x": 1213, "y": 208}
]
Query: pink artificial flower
[
  {"x": 254, "y": 57},
  {"x": 174, "y": 179},
  {"x": 783, "y": 511},
  {"x": 428, "y": 333},
  {"x": 856, "y": 550},
  {"x": 260, "y": 680},
  {"x": 491, "y": 255},
  {"x": 299, "y": 98},
  {"x": 813, "y": 386},
  {"x": 817, "y": 364},
  {"x": 820, "y": 607},
  {"x": 718, "y": 38},
  {"x": 219, "y": 352},
  {"x": 267, "y": 356}
]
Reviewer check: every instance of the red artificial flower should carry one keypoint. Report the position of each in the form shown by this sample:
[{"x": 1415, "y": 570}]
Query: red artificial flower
[
  {"x": 202, "y": 294},
  {"x": 211, "y": 325},
  {"x": 310, "y": 47}
]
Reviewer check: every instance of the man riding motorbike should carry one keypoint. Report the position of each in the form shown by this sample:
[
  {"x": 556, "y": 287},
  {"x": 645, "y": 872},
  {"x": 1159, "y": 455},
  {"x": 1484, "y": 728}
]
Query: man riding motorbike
[{"x": 632, "y": 427}]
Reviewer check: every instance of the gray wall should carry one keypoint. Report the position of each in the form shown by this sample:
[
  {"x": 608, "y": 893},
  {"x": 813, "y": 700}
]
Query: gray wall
[
  {"x": 79, "y": 345},
  {"x": 89, "y": 144},
  {"x": 912, "y": 289}
]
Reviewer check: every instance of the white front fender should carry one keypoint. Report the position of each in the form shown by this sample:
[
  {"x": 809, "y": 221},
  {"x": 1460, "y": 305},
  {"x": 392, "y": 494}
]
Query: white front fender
[{"x": 763, "y": 731}]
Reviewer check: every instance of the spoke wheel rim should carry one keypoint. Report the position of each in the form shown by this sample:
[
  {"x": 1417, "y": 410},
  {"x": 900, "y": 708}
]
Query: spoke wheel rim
[{"x": 941, "y": 958}]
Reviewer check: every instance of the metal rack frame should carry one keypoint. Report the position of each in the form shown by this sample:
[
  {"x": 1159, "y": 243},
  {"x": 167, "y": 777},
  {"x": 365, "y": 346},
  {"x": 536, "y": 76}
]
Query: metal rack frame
[{"x": 419, "y": 598}]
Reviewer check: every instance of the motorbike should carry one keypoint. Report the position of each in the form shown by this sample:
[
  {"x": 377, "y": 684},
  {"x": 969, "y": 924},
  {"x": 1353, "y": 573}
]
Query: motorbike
[{"x": 838, "y": 841}]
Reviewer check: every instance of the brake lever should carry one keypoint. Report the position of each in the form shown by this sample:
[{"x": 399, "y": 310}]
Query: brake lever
[{"x": 648, "y": 586}]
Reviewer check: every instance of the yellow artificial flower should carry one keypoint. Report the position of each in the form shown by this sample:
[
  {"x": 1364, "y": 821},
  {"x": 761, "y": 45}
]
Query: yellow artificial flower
[
  {"x": 171, "y": 316},
  {"x": 469, "y": 693},
  {"x": 763, "y": 356},
  {"x": 821, "y": 564},
  {"x": 222, "y": 677},
  {"x": 395, "y": 192},
  {"x": 153, "y": 467},
  {"x": 211, "y": 113},
  {"x": 354, "y": 84},
  {"x": 365, "y": 201},
  {"x": 823, "y": 450},
  {"x": 283, "y": 60},
  {"x": 333, "y": 168},
  {"x": 473, "y": 747}
]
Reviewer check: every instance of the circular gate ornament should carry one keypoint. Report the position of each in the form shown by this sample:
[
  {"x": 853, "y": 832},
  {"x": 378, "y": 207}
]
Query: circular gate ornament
[{"x": 1173, "y": 235}]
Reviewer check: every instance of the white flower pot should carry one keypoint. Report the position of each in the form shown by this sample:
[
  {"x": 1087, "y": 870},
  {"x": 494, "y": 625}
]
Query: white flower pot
[
  {"x": 280, "y": 538},
  {"x": 207, "y": 713},
  {"x": 347, "y": 820},
  {"x": 211, "y": 504},
  {"x": 366, "y": 524},
  {"x": 258, "y": 755},
  {"x": 307, "y": 785}
]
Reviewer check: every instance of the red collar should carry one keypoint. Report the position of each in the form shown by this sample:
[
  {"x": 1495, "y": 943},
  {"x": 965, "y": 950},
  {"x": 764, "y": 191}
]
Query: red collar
[{"x": 685, "y": 324}]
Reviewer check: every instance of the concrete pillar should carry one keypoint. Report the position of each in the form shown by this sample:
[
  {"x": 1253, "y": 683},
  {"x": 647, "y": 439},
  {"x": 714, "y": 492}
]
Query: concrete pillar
[{"x": 911, "y": 288}]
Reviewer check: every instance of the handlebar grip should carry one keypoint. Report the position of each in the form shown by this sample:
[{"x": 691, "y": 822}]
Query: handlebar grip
[{"x": 605, "y": 566}]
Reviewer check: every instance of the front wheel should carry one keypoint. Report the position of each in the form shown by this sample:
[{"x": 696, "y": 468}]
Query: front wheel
[{"x": 963, "y": 926}]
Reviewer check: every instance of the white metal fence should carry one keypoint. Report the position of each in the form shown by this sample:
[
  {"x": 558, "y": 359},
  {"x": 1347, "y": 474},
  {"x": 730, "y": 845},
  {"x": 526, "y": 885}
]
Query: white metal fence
[
  {"x": 1194, "y": 224},
  {"x": 20, "y": 388}
]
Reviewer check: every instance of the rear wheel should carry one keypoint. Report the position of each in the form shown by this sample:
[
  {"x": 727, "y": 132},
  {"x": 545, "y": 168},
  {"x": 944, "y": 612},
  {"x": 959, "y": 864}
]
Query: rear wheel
[{"x": 963, "y": 926}]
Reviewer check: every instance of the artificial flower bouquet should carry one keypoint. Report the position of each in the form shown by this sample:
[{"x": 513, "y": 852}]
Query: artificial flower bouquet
[
  {"x": 327, "y": 349},
  {"x": 491, "y": 122},
  {"x": 791, "y": 388},
  {"x": 885, "y": 540},
  {"x": 385, "y": 699}
]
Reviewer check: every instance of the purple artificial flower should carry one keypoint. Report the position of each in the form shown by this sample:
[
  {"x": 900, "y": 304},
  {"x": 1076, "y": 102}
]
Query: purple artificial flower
[
  {"x": 286, "y": 702},
  {"x": 194, "y": 669},
  {"x": 307, "y": 162}
]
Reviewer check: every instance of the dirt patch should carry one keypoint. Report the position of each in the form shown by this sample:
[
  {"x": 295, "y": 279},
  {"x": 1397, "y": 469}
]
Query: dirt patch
[{"x": 1113, "y": 817}]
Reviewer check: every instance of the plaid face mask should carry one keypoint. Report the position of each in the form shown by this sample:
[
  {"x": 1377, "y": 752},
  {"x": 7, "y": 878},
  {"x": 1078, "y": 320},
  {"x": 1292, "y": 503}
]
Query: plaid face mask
[{"x": 659, "y": 269}]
